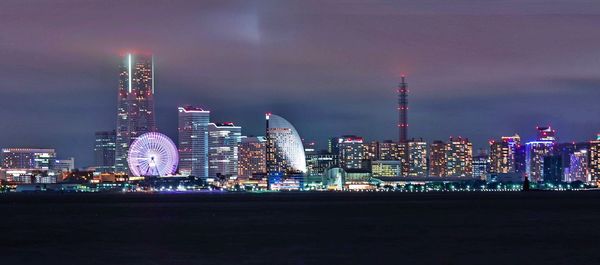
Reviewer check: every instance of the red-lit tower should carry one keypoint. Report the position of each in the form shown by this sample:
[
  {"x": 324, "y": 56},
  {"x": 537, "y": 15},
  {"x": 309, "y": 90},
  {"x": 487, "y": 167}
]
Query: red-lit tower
[{"x": 403, "y": 110}]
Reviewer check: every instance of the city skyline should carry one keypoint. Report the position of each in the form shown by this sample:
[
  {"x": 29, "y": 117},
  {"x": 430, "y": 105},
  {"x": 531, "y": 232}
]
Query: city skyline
[{"x": 70, "y": 90}]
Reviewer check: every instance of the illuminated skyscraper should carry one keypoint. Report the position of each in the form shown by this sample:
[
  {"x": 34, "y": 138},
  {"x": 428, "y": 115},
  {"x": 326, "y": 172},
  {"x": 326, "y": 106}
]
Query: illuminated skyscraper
[
  {"x": 285, "y": 151},
  {"x": 193, "y": 141},
  {"x": 437, "y": 159},
  {"x": 594, "y": 159},
  {"x": 135, "y": 106},
  {"x": 578, "y": 169},
  {"x": 536, "y": 151},
  {"x": 416, "y": 158},
  {"x": 223, "y": 140},
  {"x": 352, "y": 152},
  {"x": 481, "y": 164},
  {"x": 459, "y": 157},
  {"x": 252, "y": 156},
  {"x": 104, "y": 152}
]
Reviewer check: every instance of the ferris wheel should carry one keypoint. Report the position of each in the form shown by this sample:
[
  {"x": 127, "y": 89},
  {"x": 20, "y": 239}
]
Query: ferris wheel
[{"x": 152, "y": 154}]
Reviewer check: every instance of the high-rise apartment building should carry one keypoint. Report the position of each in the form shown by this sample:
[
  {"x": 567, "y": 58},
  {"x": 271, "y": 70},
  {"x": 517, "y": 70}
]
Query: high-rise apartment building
[
  {"x": 135, "y": 105},
  {"x": 459, "y": 157},
  {"x": 416, "y": 158},
  {"x": 437, "y": 159},
  {"x": 193, "y": 141},
  {"x": 594, "y": 159}
]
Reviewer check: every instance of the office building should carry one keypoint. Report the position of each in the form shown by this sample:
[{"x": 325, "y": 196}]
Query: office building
[
  {"x": 193, "y": 141},
  {"x": 319, "y": 162},
  {"x": 64, "y": 165},
  {"x": 386, "y": 168},
  {"x": 552, "y": 169},
  {"x": 223, "y": 140},
  {"x": 481, "y": 164},
  {"x": 135, "y": 105},
  {"x": 104, "y": 151},
  {"x": 352, "y": 152},
  {"x": 28, "y": 158}
]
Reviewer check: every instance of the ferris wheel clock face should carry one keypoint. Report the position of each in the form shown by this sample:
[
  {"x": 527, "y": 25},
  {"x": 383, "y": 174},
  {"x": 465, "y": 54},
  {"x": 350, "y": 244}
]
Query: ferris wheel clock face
[{"x": 152, "y": 154}]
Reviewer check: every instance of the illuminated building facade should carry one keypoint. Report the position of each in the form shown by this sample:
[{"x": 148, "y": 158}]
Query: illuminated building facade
[
  {"x": 388, "y": 150},
  {"x": 223, "y": 140},
  {"x": 319, "y": 162},
  {"x": 535, "y": 152},
  {"x": 386, "y": 168},
  {"x": 594, "y": 159},
  {"x": 193, "y": 141},
  {"x": 64, "y": 165},
  {"x": 437, "y": 159},
  {"x": 503, "y": 155},
  {"x": 500, "y": 158},
  {"x": 578, "y": 169},
  {"x": 416, "y": 161},
  {"x": 459, "y": 157},
  {"x": 285, "y": 151},
  {"x": 104, "y": 151},
  {"x": 481, "y": 164},
  {"x": 252, "y": 157},
  {"x": 371, "y": 151},
  {"x": 28, "y": 158},
  {"x": 352, "y": 152},
  {"x": 135, "y": 105}
]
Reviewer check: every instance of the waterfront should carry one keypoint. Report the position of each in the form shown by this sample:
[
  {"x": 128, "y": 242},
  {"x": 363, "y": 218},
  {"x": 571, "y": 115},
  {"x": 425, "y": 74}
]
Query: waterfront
[{"x": 301, "y": 228}]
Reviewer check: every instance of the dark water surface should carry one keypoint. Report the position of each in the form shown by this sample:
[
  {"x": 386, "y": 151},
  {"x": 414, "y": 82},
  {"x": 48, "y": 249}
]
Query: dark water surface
[{"x": 301, "y": 228}]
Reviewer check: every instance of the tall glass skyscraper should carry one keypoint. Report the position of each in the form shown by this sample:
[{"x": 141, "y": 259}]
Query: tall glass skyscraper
[
  {"x": 193, "y": 141},
  {"x": 223, "y": 140},
  {"x": 104, "y": 152},
  {"x": 135, "y": 107}
]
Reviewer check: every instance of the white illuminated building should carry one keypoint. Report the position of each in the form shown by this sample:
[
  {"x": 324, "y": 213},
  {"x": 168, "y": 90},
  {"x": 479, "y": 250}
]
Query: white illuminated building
[{"x": 285, "y": 152}]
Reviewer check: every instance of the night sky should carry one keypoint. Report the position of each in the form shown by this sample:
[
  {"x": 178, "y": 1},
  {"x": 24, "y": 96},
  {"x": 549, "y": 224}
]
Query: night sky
[{"x": 478, "y": 69}]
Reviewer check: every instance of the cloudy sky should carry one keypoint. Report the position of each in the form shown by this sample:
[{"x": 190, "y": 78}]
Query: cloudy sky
[{"x": 478, "y": 69}]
